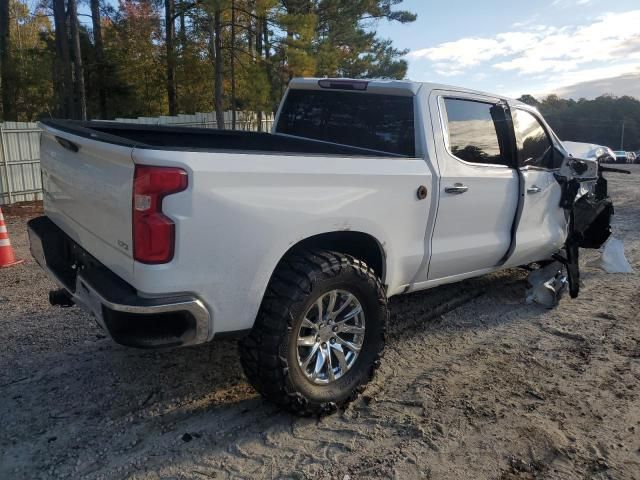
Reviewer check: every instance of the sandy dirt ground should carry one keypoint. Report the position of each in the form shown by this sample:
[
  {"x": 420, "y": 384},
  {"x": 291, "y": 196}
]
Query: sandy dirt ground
[{"x": 475, "y": 384}]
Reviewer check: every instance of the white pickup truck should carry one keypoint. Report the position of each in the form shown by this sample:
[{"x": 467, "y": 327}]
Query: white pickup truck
[{"x": 295, "y": 240}]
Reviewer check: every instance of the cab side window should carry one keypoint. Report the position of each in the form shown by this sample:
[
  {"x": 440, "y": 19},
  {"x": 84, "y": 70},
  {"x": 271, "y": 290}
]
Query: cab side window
[
  {"x": 473, "y": 135},
  {"x": 535, "y": 148}
]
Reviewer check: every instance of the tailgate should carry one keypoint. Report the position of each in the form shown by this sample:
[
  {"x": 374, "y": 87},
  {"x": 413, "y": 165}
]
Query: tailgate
[{"x": 87, "y": 186}]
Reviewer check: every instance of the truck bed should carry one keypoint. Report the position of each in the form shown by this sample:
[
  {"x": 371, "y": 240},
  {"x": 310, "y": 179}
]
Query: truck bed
[{"x": 162, "y": 137}]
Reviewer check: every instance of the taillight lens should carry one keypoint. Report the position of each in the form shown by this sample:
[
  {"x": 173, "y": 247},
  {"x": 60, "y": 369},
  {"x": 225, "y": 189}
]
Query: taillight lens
[{"x": 154, "y": 234}]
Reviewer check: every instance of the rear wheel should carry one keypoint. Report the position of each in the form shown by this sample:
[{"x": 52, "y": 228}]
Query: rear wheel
[{"x": 319, "y": 333}]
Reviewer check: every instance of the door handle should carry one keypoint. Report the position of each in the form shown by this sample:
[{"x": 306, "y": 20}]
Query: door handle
[
  {"x": 457, "y": 189},
  {"x": 534, "y": 189}
]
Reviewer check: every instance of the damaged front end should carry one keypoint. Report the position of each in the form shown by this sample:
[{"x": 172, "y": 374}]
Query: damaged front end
[{"x": 588, "y": 208}]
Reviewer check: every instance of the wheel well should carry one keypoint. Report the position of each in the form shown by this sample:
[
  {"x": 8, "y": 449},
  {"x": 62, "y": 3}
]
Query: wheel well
[{"x": 357, "y": 244}]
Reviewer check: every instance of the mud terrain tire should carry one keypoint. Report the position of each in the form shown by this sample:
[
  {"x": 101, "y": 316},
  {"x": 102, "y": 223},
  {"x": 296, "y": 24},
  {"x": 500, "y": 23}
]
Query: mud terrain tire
[{"x": 270, "y": 353}]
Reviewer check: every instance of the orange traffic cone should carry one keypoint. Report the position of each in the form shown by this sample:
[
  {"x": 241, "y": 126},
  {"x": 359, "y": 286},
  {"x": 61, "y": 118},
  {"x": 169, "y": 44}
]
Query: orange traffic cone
[{"x": 7, "y": 258}]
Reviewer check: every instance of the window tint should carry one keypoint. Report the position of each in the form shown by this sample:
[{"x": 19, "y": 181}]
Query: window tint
[
  {"x": 377, "y": 122},
  {"x": 473, "y": 136},
  {"x": 534, "y": 146}
]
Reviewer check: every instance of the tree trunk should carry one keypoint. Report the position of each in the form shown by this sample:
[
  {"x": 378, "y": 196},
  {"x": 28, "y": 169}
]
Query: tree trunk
[
  {"x": 265, "y": 36},
  {"x": 169, "y": 15},
  {"x": 99, "y": 46},
  {"x": 267, "y": 58},
  {"x": 233, "y": 65},
  {"x": 80, "y": 93},
  {"x": 259, "y": 59},
  {"x": 211, "y": 46},
  {"x": 7, "y": 80},
  {"x": 251, "y": 29},
  {"x": 64, "y": 79},
  {"x": 183, "y": 27},
  {"x": 217, "y": 26},
  {"x": 211, "y": 39},
  {"x": 259, "y": 37}
]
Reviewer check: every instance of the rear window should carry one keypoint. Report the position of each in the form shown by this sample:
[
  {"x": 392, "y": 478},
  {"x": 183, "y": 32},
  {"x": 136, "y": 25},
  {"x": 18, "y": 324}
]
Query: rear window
[{"x": 377, "y": 122}]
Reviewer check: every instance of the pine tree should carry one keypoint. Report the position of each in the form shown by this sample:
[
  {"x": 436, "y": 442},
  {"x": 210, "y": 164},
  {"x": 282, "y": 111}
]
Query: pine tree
[
  {"x": 169, "y": 40},
  {"x": 80, "y": 96},
  {"x": 100, "y": 60},
  {"x": 7, "y": 80},
  {"x": 133, "y": 43},
  {"x": 63, "y": 73},
  {"x": 32, "y": 62}
]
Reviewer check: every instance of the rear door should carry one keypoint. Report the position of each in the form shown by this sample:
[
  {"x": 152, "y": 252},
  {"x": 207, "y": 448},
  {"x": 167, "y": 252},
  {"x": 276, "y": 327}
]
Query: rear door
[
  {"x": 87, "y": 186},
  {"x": 478, "y": 191},
  {"x": 542, "y": 229}
]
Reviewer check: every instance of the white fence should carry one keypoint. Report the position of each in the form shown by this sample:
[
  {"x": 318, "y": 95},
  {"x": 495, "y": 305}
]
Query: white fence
[
  {"x": 244, "y": 120},
  {"x": 19, "y": 162},
  {"x": 20, "y": 148}
]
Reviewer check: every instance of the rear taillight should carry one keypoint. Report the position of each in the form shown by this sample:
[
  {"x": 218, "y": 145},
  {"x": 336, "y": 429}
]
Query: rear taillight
[{"x": 154, "y": 234}]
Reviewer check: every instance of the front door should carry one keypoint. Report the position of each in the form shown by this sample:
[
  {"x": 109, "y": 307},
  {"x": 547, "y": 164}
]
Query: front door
[
  {"x": 542, "y": 229},
  {"x": 478, "y": 191}
]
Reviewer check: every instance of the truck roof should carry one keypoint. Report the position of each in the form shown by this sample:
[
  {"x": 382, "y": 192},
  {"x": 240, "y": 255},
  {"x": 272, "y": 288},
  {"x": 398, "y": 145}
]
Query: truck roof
[{"x": 381, "y": 85}]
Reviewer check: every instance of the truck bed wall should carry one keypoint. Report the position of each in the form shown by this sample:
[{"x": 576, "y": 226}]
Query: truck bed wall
[{"x": 195, "y": 139}]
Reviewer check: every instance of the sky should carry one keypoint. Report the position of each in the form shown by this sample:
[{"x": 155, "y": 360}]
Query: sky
[{"x": 574, "y": 48}]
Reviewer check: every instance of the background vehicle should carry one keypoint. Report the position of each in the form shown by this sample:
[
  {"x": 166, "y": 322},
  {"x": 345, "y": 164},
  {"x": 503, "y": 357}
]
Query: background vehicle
[
  {"x": 621, "y": 156},
  {"x": 295, "y": 240}
]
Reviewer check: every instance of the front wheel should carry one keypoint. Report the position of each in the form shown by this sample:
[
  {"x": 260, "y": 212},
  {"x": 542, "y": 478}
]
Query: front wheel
[{"x": 319, "y": 334}]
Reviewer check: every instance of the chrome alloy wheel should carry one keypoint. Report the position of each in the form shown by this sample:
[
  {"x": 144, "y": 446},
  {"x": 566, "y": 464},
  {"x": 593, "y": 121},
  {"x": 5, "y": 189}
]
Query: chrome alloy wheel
[{"x": 330, "y": 336}]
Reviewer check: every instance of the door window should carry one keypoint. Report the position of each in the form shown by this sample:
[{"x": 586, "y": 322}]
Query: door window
[
  {"x": 534, "y": 145},
  {"x": 473, "y": 133}
]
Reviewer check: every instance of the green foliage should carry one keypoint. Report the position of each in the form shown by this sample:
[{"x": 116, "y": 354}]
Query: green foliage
[
  {"x": 255, "y": 88},
  {"x": 33, "y": 61},
  {"x": 133, "y": 47},
  {"x": 596, "y": 121},
  {"x": 193, "y": 74},
  {"x": 274, "y": 41},
  {"x": 346, "y": 47},
  {"x": 298, "y": 45},
  {"x": 529, "y": 100}
]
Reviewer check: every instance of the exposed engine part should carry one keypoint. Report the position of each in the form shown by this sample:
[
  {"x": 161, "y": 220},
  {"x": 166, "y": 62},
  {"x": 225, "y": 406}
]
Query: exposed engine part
[{"x": 546, "y": 285}]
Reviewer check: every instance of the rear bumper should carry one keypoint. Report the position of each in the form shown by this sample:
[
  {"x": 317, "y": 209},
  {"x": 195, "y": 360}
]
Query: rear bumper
[{"x": 129, "y": 318}]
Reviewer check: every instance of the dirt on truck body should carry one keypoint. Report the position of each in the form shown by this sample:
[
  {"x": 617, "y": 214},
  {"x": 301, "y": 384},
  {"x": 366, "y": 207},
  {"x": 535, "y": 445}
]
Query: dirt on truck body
[{"x": 475, "y": 384}]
